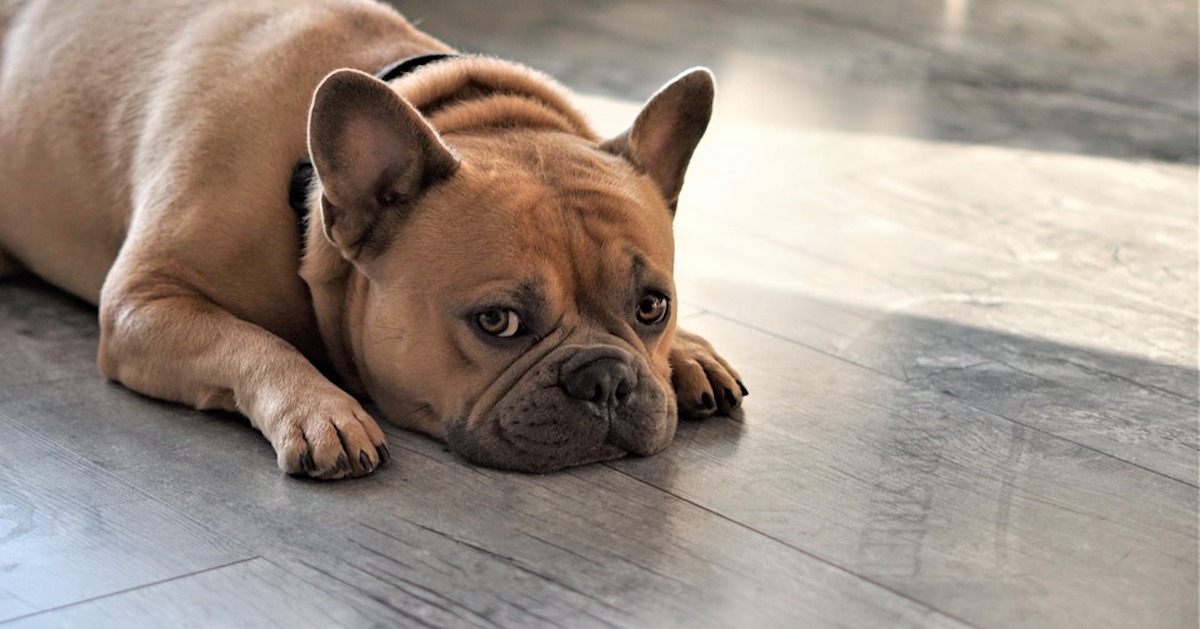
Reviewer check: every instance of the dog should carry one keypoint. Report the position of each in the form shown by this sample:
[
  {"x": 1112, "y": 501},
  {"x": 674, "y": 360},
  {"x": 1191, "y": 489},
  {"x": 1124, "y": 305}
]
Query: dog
[{"x": 470, "y": 256}]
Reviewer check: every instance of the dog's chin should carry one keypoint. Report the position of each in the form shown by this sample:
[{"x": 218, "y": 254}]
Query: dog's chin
[{"x": 498, "y": 446}]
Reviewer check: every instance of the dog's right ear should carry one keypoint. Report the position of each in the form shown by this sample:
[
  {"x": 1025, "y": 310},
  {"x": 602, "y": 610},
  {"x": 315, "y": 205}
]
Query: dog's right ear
[
  {"x": 665, "y": 134},
  {"x": 373, "y": 153}
]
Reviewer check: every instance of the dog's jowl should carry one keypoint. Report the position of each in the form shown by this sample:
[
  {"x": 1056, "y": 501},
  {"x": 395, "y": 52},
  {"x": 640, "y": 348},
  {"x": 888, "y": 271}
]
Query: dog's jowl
[{"x": 468, "y": 254}]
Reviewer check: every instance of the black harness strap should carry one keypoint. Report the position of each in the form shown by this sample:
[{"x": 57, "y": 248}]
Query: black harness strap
[{"x": 302, "y": 174}]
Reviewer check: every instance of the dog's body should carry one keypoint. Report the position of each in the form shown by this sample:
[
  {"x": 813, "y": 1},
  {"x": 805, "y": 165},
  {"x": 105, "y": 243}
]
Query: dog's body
[{"x": 478, "y": 262}]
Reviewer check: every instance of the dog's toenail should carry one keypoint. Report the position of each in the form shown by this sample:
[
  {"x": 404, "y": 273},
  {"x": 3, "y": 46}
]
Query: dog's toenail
[
  {"x": 343, "y": 462},
  {"x": 364, "y": 461},
  {"x": 306, "y": 462},
  {"x": 707, "y": 401},
  {"x": 743, "y": 388},
  {"x": 730, "y": 398},
  {"x": 384, "y": 454}
]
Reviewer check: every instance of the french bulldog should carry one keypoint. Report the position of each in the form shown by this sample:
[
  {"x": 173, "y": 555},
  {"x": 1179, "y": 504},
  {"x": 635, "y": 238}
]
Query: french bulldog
[{"x": 471, "y": 256}]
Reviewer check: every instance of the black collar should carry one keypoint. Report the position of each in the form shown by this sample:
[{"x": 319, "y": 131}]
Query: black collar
[
  {"x": 404, "y": 66},
  {"x": 302, "y": 174}
]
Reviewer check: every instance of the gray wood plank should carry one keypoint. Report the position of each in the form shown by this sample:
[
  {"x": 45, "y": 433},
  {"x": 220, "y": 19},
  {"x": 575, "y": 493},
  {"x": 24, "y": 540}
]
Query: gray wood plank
[
  {"x": 1117, "y": 79},
  {"x": 433, "y": 540},
  {"x": 71, "y": 531},
  {"x": 1129, "y": 407},
  {"x": 1122, "y": 228},
  {"x": 996, "y": 523},
  {"x": 252, "y": 593},
  {"x": 44, "y": 333}
]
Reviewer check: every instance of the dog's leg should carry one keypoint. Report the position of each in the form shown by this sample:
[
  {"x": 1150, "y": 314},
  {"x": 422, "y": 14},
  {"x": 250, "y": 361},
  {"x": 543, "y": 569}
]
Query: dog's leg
[
  {"x": 704, "y": 383},
  {"x": 163, "y": 338}
]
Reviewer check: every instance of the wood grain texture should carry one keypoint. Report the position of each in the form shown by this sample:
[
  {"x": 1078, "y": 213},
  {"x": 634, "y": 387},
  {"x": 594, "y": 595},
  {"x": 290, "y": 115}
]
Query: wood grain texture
[
  {"x": 935, "y": 499},
  {"x": 70, "y": 531},
  {"x": 251, "y": 593},
  {"x": 434, "y": 540},
  {"x": 828, "y": 264}
]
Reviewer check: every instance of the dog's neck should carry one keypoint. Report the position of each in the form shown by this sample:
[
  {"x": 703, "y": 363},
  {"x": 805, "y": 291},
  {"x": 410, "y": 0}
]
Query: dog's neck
[
  {"x": 458, "y": 95},
  {"x": 479, "y": 92}
]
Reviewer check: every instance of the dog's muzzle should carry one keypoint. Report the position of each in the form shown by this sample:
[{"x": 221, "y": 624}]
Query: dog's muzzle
[{"x": 579, "y": 405}]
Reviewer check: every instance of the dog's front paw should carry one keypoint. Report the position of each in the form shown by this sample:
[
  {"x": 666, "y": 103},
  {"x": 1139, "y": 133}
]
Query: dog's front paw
[
  {"x": 328, "y": 436},
  {"x": 704, "y": 383}
]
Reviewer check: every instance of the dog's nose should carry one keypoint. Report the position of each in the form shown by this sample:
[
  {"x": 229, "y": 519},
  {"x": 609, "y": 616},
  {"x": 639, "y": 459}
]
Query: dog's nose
[{"x": 604, "y": 381}]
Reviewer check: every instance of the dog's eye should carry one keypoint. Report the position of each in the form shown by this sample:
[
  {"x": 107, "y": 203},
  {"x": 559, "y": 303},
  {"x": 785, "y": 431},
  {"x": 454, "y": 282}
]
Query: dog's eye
[
  {"x": 653, "y": 309},
  {"x": 499, "y": 322}
]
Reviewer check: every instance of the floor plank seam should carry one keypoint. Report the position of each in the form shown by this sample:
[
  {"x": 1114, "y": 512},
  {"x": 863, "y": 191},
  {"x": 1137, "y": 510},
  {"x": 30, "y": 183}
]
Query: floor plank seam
[
  {"x": 136, "y": 488},
  {"x": 721, "y": 516},
  {"x": 376, "y": 598},
  {"x": 127, "y": 590},
  {"x": 963, "y": 401},
  {"x": 1195, "y": 401}
]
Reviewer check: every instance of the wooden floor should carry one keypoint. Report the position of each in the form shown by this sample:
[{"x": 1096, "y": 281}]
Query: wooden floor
[{"x": 951, "y": 247}]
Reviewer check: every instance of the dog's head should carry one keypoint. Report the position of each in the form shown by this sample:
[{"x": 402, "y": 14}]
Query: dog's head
[{"x": 494, "y": 274}]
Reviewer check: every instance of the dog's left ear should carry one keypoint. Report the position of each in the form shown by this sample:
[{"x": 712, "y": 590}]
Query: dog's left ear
[
  {"x": 666, "y": 132},
  {"x": 373, "y": 153}
]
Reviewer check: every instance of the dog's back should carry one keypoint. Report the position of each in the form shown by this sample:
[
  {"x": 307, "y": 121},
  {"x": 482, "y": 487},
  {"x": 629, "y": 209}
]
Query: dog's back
[
  {"x": 98, "y": 100},
  {"x": 64, "y": 92}
]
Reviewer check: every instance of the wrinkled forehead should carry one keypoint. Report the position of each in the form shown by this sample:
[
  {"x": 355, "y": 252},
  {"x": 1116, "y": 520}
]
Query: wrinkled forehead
[{"x": 565, "y": 211}]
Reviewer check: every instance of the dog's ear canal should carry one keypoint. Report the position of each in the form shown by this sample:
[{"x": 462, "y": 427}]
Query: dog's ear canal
[
  {"x": 372, "y": 151},
  {"x": 667, "y": 130}
]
